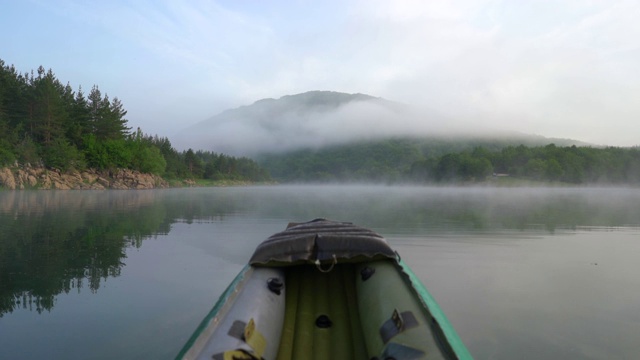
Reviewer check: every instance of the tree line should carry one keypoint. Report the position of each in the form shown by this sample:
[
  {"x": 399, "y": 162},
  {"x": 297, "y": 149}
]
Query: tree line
[
  {"x": 44, "y": 122},
  {"x": 431, "y": 160},
  {"x": 379, "y": 161},
  {"x": 570, "y": 164}
]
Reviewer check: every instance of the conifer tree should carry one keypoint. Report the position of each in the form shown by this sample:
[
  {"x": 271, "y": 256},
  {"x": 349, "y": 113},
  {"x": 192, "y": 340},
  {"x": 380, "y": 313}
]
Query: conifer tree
[
  {"x": 106, "y": 117},
  {"x": 3, "y": 86},
  {"x": 96, "y": 111},
  {"x": 194, "y": 165},
  {"x": 79, "y": 115},
  {"x": 4, "y": 121},
  {"x": 117, "y": 124},
  {"x": 49, "y": 113}
]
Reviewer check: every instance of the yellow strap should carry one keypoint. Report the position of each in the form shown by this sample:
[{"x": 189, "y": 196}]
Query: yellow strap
[
  {"x": 254, "y": 339},
  {"x": 238, "y": 355}
]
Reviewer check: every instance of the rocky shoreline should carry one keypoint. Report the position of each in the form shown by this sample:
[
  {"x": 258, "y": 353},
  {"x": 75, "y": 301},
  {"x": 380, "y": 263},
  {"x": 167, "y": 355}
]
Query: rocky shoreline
[{"x": 27, "y": 177}]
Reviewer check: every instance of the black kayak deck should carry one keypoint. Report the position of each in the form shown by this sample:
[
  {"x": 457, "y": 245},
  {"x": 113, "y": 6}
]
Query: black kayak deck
[{"x": 321, "y": 241}]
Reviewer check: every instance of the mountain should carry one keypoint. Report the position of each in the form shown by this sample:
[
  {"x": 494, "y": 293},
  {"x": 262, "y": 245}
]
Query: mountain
[
  {"x": 337, "y": 136},
  {"x": 317, "y": 119},
  {"x": 309, "y": 120}
]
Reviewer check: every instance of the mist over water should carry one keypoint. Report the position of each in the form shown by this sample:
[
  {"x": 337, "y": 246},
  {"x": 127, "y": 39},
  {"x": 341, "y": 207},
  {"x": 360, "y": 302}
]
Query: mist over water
[{"x": 520, "y": 272}]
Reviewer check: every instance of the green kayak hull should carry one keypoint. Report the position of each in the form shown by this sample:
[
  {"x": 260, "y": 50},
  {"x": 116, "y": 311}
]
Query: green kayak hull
[{"x": 325, "y": 290}]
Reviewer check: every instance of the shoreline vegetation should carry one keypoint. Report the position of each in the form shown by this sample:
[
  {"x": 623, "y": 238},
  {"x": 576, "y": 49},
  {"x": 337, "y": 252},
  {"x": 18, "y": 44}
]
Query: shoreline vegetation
[
  {"x": 429, "y": 162},
  {"x": 52, "y": 137}
]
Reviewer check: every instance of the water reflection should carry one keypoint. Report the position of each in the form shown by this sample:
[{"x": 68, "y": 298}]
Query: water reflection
[
  {"x": 54, "y": 242},
  {"x": 436, "y": 209}
]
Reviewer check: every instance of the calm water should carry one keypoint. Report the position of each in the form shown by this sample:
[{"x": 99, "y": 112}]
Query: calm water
[{"x": 521, "y": 273}]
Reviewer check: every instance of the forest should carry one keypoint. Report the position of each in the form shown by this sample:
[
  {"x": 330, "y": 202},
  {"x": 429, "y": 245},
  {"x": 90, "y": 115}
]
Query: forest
[
  {"x": 44, "y": 122},
  {"x": 431, "y": 160},
  {"x": 550, "y": 163}
]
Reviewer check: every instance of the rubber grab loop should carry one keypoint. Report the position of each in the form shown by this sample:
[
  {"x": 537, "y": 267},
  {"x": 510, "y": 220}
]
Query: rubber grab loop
[{"x": 319, "y": 265}]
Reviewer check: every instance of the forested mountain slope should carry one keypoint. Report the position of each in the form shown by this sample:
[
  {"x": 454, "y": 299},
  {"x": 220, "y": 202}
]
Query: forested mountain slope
[
  {"x": 321, "y": 136},
  {"x": 393, "y": 159}
]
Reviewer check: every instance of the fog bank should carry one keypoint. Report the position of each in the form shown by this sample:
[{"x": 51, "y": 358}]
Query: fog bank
[{"x": 316, "y": 119}]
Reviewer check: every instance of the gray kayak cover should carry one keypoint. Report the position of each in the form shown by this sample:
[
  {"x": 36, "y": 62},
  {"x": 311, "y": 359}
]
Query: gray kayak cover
[{"x": 321, "y": 241}]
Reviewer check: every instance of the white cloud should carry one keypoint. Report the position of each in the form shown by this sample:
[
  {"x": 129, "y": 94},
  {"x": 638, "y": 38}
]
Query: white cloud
[
  {"x": 522, "y": 68},
  {"x": 555, "y": 68}
]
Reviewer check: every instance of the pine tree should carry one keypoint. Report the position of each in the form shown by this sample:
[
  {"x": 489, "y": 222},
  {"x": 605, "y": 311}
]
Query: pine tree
[
  {"x": 102, "y": 124},
  {"x": 6, "y": 155},
  {"x": 96, "y": 112},
  {"x": 67, "y": 98},
  {"x": 4, "y": 121},
  {"x": 194, "y": 165},
  {"x": 49, "y": 115},
  {"x": 106, "y": 118},
  {"x": 79, "y": 116},
  {"x": 15, "y": 95},
  {"x": 117, "y": 124}
]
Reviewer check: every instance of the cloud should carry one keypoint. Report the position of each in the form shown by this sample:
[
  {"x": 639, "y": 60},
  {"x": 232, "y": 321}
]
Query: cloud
[{"x": 554, "y": 68}]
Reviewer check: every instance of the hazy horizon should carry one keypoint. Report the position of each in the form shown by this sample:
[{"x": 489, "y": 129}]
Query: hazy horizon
[
  {"x": 555, "y": 69},
  {"x": 292, "y": 123}
]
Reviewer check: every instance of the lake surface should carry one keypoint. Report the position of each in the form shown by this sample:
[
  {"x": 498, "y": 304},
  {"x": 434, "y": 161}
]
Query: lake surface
[{"x": 526, "y": 273}]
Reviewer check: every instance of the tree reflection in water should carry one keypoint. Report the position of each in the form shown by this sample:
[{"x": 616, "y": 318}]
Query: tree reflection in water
[{"x": 53, "y": 242}]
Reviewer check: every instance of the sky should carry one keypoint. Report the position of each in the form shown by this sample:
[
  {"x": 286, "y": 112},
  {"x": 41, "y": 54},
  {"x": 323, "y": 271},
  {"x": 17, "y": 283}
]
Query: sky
[{"x": 567, "y": 69}]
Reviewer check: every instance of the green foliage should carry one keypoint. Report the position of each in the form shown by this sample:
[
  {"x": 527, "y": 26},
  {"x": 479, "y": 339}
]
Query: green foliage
[
  {"x": 224, "y": 167},
  {"x": 553, "y": 170},
  {"x": 43, "y": 122},
  {"x": 571, "y": 164},
  {"x": 78, "y": 125},
  {"x": 27, "y": 151},
  {"x": 108, "y": 154},
  {"x": 132, "y": 153},
  {"x": 152, "y": 161},
  {"x": 462, "y": 167},
  {"x": 195, "y": 166},
  {"x": 49, "y": 112},
  {"x": 442, "y": 160},
  {"x": 60, "y": 154},
  {"x": 384, "y": 160},
  {"x": 536, "y": 169},
  {"x": 175, "y": 167},
  {"x": 396, "y": 159},
  {"x": 6, "y": 156}
]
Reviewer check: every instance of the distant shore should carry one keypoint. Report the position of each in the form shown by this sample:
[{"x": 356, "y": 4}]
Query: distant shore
[{"x": 26, "y": 177}]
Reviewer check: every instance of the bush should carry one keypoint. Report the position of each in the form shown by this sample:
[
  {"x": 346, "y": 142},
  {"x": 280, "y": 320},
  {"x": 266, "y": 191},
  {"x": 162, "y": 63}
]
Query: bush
[
  {"x": 60, "y": 154},
  {"x": 6, "y": 157},
  {"x": 150, "y": 160}
]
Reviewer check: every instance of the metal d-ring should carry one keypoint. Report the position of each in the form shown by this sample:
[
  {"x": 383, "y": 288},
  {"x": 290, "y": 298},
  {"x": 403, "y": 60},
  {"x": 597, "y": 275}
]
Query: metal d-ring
[{"x": 319, "y": 265}]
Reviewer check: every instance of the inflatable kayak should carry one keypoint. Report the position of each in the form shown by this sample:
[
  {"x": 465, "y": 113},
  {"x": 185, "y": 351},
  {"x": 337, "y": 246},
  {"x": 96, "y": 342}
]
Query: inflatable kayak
[{"x": 325, "y": 290}]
